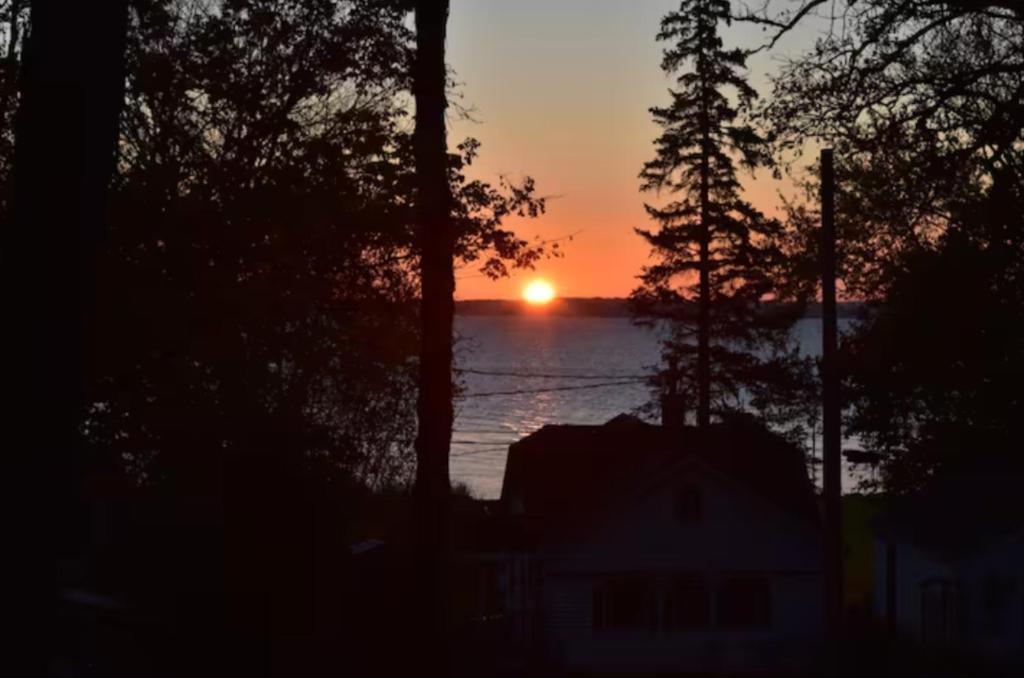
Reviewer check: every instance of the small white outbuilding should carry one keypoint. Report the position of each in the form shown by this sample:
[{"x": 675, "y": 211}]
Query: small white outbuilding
[{"x": 949, "y": 566}]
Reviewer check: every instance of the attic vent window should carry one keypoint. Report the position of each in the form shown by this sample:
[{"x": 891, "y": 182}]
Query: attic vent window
[{"x": 689, "y": 504}]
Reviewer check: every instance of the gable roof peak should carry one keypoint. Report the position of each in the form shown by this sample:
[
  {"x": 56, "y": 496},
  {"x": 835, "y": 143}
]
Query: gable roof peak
[{"x": 625, "y": 421}]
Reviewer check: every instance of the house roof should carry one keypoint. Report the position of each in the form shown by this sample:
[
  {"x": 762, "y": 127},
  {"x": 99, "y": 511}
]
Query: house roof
[
  {"x": 957, "y": 516},
  {"x": 568, "y": 471}
]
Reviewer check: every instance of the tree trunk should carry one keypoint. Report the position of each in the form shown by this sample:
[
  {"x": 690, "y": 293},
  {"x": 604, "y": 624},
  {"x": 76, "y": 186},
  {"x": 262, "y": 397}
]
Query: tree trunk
[
  {"x": 704, "y": 320},
  {"x": 434, "y": 405},
  {"x": 72, "y": 89}
]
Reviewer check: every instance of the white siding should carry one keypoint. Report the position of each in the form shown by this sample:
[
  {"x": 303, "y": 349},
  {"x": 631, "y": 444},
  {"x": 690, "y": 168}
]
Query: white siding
[{"x": 738, "y": 533}]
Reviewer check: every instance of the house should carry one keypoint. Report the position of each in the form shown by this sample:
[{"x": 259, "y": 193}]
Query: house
[
  {"x": 663, "y": 549},
  {"x": 949, "y": 565}
]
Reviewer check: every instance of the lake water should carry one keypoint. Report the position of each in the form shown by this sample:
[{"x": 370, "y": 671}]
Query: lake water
[{"x": 534, "y": 366}]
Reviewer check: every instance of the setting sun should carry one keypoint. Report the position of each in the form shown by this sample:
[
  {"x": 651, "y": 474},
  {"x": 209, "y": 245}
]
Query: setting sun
[{"x": 539, "y": 292}]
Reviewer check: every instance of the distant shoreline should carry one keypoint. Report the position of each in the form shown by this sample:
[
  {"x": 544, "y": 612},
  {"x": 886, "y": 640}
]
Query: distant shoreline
[{"x": 594, "y": 307}]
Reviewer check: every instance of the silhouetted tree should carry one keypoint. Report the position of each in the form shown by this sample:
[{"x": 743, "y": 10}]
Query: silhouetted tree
[
  {"x": 782, "y": 16},
  {"x": 920, "y": 100},
  {"x": 71, "y": 93},
  {"x": 934, "y": 367},
  {"x": 255, "y": 355},
  {"x": 259, "y": 221},
  {"x": 264, "y": 220},
  {"x": 435, "y": 408},
  {"x": 922, "y": 103},
  {"x": 719, "y": 259}
]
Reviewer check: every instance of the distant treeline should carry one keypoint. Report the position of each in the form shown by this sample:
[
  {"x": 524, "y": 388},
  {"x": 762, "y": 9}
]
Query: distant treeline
[{"x": 595, "y": 307}]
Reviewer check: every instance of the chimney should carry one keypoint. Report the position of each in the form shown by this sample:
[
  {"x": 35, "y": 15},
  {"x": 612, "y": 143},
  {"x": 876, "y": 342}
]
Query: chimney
[{"x": 673, "y": 404}]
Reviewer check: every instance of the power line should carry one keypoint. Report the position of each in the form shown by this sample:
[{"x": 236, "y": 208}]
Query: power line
[
  {"x": 481, "y": 442},
  {"x": 473, "y": 453},
  {"x": 548, "y": 390},
  {"x": 541, "y": 375},
  {"x": 484, "y": 431}
]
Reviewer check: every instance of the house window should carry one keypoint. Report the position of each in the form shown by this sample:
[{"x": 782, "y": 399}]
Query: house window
[
  {"x": 744, "y": 603},
  {"x": 626, "y": 603},
  {"x": 689, "y": 504},
  {"x": 997, "y": 592},
  {"x": 688, "y": 604}
]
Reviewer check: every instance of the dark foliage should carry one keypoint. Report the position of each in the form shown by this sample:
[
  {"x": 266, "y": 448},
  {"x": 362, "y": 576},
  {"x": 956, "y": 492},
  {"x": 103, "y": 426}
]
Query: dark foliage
[
  {"x": 935, "y": 368},
  {"x": 257, "y": 245},
  {"x": 921, "y": 101},
  {"x": 261, "y": 274},
  {"x": 251, "y": 360}
]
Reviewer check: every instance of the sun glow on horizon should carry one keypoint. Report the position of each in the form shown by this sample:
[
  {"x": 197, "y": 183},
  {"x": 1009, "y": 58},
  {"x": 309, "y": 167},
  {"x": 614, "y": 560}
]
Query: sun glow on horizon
[{"x": 538, "y": 292}]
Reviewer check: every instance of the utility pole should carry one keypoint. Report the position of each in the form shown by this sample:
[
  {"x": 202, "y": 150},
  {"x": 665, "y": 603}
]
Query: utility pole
[{"x": 832, "y": 434}]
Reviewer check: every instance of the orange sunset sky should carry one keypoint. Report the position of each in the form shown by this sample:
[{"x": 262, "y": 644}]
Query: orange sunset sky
[{"x": 559, "y": 90}]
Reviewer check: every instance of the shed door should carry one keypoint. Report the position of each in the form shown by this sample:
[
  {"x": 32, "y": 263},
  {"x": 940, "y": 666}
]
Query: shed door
[{"x": 939, "y": 607}]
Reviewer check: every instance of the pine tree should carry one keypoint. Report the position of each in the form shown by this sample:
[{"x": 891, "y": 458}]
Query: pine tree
[{"x": 718, "y": 259}]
